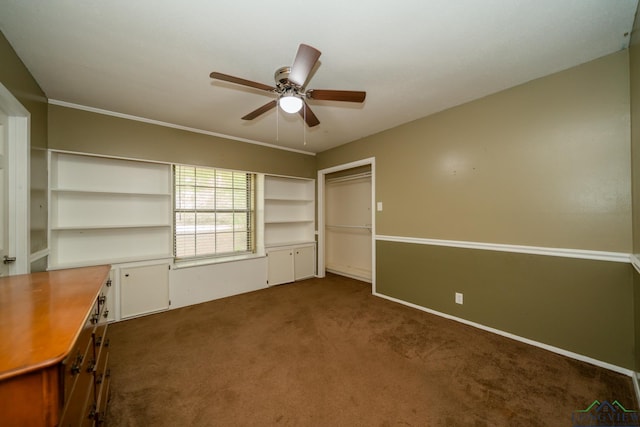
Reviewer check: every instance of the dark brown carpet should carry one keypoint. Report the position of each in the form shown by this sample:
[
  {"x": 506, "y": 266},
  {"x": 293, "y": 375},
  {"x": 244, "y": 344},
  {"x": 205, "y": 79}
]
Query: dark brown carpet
[{"x": 325, "y": 352}]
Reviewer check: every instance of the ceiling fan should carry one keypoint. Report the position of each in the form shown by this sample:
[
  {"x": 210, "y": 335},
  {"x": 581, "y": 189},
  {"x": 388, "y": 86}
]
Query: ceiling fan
[{"x": 290, "y": 88}]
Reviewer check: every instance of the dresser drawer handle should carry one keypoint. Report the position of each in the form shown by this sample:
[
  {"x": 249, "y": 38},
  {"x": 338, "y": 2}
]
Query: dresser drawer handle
[
  {"x": 105, "y": 314},
  {"x": 92, "y": 413},
  {"x": 109, "y": 282},
  {"x": 91, "y": 366},
  {"x": 99, "y": 342},
  {"x": 94, "y": 318},
  {"x": 75, "y": 368},
  {"x": 102, "y": 299},
  {"x": 99, "y": 379}
]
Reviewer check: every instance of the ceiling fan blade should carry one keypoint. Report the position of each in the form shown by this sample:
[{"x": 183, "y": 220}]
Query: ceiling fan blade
[
  {"x": 308, "y": 116},
  {"x": 304, "y": 62},
  {"x": 337, "y": 95},
  {"x": 239, "y": 81},
  {"x": 266, "y": 107}
]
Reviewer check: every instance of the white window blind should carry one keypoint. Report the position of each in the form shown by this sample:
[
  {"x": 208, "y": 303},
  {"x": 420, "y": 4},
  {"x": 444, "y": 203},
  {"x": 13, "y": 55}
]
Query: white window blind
[{"x": 214, "y": 212}]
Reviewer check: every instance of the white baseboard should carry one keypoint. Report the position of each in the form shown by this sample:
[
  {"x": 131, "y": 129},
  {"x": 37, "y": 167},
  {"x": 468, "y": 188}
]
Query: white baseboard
[
  {"x": 551, "y": 348},
  {"x": 351, "y": 276}
]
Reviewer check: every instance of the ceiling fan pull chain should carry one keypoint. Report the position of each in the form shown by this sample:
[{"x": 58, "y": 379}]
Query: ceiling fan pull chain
[
  {"x": 277, "y": 124},
  {"x": 304, "y": 128}
]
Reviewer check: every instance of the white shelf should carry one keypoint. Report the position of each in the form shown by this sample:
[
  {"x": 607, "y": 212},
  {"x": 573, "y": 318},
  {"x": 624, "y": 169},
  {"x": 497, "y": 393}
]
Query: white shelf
[
  {"x": 167, "y": 257},
  {"x": 289, "y": 211},
  {"x": 105, "y": 174},
  {"x": 108, "y": 227},
  {"x": 108, "y": 192},
  {"x": 106, "y": 211},
  {"x": 289, "y": 189}
]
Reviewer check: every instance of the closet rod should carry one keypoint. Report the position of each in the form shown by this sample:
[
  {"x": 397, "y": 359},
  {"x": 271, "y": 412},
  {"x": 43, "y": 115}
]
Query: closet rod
[{"x": 349, "y": 177}]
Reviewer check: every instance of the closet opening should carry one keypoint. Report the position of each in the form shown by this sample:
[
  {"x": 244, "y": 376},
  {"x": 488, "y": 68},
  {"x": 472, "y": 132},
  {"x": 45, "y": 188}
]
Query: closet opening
[{"x": 346, "y": 220}]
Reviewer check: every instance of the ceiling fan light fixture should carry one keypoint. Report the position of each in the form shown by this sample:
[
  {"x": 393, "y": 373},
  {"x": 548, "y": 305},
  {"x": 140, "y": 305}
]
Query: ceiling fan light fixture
[{"x": 290, "y": 104}]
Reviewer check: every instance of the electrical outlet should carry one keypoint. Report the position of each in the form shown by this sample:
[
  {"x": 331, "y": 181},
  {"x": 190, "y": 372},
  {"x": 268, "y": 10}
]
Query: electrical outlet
[{"x": 459, "y": 298}]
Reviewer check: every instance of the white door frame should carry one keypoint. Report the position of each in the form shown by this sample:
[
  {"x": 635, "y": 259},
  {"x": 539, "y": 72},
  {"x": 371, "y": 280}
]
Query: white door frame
[
  {"x": 321, "y": 214},
  {"x": 18, "y": 177}
]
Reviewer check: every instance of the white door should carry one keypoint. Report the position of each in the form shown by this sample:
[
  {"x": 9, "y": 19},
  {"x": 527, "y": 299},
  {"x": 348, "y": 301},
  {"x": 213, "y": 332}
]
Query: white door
[{"x": 4, "y": 197}]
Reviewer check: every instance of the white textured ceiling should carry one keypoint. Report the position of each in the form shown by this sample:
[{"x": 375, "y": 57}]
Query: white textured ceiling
[{"x": 152, "y": 58}]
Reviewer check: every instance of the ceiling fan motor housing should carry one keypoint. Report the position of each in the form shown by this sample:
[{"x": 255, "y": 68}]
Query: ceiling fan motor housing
[{"x": 282, "y": 79}]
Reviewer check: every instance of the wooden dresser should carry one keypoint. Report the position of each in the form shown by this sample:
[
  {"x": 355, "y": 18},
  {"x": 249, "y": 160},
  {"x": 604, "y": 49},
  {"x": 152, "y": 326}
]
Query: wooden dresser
[{"x": 53, "y": 348}]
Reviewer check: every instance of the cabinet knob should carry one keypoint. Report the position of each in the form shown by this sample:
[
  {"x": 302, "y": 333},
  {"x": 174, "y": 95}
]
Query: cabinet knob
[{"x": 126, "y": 275}]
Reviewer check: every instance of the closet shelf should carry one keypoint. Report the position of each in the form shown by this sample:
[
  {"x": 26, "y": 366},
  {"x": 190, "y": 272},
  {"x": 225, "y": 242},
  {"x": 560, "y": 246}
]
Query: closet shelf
[
  {"x": 357, "y": 227},
  {"x": 287, "y": 200},
  {"x": 294, "y": 243}
]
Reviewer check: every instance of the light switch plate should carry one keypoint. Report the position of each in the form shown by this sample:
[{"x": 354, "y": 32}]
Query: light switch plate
[
  {"x": 459, "y": 298},
  {"x": 379, "y": 206}
]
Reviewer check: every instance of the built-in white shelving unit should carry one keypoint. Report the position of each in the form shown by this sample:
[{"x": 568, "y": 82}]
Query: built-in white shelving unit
[
  {"x": 289, "y": 228},
  {"x": 107, "y": 210},
  {"x": 289, "y": 211}
]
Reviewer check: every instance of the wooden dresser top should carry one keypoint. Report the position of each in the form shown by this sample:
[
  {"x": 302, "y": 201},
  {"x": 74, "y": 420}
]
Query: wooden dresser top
[{"x": 41, "y": 315}]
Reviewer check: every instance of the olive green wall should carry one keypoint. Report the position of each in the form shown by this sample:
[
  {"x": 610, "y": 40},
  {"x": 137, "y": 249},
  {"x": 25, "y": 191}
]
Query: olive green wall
[
  {"x": 579, "y": 305},
  {"x": 19, "y": 81},
  {"x": 545, "y": 164},
  {"x": 17, "y": 78},
  {"x": 83, "y": 131}
]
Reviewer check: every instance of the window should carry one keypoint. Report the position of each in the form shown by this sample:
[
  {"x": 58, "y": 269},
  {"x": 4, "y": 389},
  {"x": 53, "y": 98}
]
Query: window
[{"x": 214, "y": 212}]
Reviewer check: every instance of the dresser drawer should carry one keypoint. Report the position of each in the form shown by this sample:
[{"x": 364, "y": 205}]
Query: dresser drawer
[
  {"x": 75, "y": 364},
  {"x": 76, "y": 401},
  {"x": 103, "y": 380}
]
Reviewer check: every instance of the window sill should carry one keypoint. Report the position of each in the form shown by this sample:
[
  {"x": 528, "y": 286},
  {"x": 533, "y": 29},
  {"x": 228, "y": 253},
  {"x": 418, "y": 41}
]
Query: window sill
[{"x": 177, "y": 265}]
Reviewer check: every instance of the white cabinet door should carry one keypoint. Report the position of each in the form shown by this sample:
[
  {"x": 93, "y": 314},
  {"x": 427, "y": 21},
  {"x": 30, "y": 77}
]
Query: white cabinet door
[
  {"x": 280, "y": 269},
  {"x": 144, "y": 289},
  {"x": 304, "y": 262}
]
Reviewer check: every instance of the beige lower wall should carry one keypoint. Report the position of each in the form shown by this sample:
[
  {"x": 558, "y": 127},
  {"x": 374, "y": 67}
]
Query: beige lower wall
[
  {"x": 88, "y": 132},
  {"x": 582, "y": 306}
]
